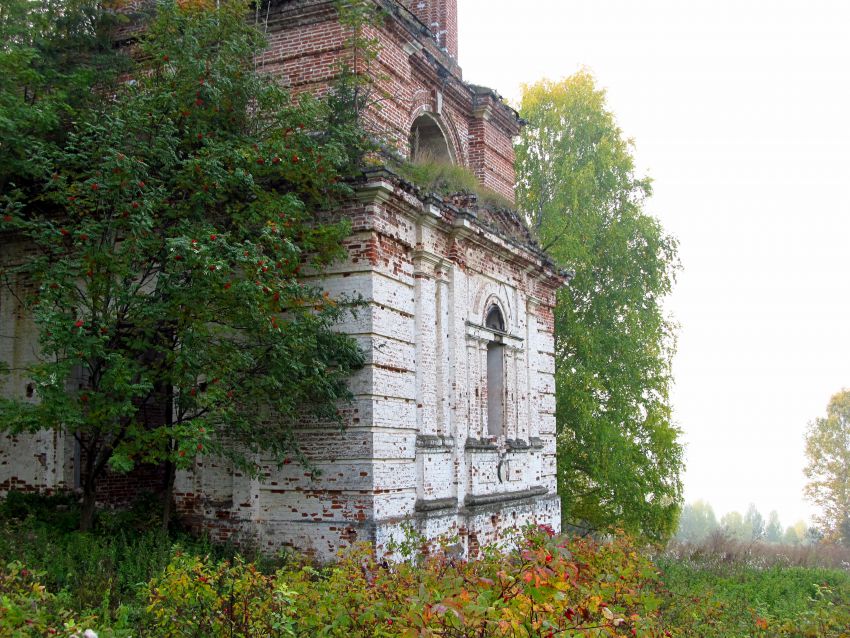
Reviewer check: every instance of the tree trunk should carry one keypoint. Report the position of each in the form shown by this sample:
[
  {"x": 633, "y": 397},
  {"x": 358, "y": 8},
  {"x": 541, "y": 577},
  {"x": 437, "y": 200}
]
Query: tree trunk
[
  {"x": 170, "y": 471},
  {"x": 89, "y": 505},
  {"x": 89, "y": 490}
]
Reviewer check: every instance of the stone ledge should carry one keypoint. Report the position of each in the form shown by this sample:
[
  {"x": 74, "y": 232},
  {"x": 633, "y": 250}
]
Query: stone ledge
[
  {"x": 489, "y": 499},
  {"x": 436, "y": 504},
  {"x": 481, "y": 445},
  {"x": 434, "y": 442}
]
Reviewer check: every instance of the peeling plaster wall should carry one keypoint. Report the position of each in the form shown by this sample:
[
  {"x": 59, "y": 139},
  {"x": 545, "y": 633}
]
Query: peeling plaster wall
[
  {"x": 28, "y": 462},
  {"x": 415, "y": 448}
]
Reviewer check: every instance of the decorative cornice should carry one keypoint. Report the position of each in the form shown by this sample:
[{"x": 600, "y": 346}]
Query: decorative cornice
[
  {"x": 515, "y": 445},
  {"x": 381, "y": 185}
]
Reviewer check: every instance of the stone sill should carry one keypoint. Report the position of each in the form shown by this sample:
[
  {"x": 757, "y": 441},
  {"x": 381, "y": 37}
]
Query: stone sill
[{"x": 434, "y": 442}]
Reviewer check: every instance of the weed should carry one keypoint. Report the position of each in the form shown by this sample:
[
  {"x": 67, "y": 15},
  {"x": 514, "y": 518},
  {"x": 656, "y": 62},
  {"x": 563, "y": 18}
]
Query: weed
[{"x": 445, "y": 178}]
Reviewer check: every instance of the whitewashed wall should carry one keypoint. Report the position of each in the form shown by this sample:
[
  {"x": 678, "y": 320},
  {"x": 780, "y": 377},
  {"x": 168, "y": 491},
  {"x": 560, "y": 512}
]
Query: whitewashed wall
[
  {"x": 415, "y": 449},
  {"x": 28, "y": 462}
]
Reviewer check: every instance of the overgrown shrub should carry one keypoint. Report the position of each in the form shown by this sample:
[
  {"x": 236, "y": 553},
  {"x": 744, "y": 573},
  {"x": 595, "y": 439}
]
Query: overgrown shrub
[
  {"x": 546, "y": 587},
  {"x": 218, "y": 599},
  {"x": 144, "y": 583},
  {"x": 27, "y": 608},
  {"x": 101, "y": 570},
  {"x": 61, "y": 511}
]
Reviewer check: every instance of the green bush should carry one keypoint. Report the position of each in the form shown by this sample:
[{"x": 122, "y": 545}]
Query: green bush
[
  {"x": 90, "y": 569},
  {"x": 217, "y": 599},
  {"x": 546, "y": 587},
  {"x": 27, "y": 608},
  {"x": 103, "y": 570},
  {"x": 61, "y": 512}
]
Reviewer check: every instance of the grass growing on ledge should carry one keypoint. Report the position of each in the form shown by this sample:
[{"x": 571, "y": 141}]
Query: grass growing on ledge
[{"x": 444, "y": 178}]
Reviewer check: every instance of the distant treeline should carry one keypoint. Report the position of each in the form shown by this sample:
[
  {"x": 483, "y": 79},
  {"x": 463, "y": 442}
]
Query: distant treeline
[{"x": 698, "y": 521}]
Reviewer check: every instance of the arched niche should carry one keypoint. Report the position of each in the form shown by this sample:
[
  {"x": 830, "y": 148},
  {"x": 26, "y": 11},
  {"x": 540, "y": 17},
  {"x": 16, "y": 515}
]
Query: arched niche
[
  {"x": 495, "y": 321},
  {"x": 428, "y": 141}
]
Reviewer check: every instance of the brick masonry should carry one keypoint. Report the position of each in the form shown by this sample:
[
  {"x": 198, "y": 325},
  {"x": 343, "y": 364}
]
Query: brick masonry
[{"x": 417, "y": 447}]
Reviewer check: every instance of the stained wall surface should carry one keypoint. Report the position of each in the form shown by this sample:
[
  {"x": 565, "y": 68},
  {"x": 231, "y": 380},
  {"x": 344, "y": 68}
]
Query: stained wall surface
[{"x": 417, "y": 448}]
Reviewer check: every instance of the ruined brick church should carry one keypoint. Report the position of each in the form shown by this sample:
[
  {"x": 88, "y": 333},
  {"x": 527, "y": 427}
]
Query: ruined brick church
[{"x": 452, "y": 429}]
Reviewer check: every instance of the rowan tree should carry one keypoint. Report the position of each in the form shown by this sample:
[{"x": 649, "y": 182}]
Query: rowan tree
[
  {"x": 51, "y": 54},
  {"x": 619, "y": 455},
  {"x": 828, "y": 468},
  {"x": 172, "y": 224}
]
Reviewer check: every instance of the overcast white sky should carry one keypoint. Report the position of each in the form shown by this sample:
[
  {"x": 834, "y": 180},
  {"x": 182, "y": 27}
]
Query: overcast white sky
[{"x": 740, "y": 111}]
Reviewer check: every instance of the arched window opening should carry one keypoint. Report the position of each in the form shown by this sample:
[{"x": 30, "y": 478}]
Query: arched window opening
[
  {"x": 494, "y": 319},
  {"x": 427, "y": 142},
  {"x": 495, "y": 374},
  {"x": 495, "y": 388}
]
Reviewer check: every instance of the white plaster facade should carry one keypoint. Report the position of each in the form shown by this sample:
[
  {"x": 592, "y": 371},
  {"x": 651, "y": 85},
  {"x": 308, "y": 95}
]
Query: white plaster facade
[
  {"x": 27, "y": 462},
  {"x": 418, "y": 446}
]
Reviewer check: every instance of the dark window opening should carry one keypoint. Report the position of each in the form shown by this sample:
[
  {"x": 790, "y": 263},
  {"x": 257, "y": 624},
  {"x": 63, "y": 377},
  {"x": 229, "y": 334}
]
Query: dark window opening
[
  {"x": 494, "y": 319},
  {"x": 495, "y": 388},
  {"x": 495, "y": 374}
]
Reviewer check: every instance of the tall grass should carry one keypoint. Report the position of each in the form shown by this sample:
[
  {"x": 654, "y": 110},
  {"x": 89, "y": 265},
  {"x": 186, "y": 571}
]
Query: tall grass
[
  {"x": 722, "y": 587},
  {"x": 103, "y": 568},
  {"x": 718, "y": 549},
  {"x": 445, "y": 178}
]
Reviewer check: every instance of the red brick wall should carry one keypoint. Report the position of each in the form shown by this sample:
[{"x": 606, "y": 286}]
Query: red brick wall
[
  {"x": 440, "y": 16},
  {"x": 412, "y": 76},
  {"x": 123, "y": 489},
  {"x": 115, "y": 488}
]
